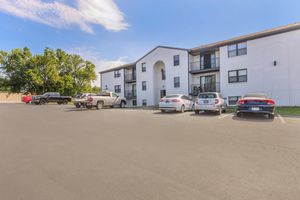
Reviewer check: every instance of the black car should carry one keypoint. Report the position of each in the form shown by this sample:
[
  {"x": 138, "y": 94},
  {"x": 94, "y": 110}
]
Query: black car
[
  {"x": 51, "y": 97},
  {"x": 256, "y": 103}
]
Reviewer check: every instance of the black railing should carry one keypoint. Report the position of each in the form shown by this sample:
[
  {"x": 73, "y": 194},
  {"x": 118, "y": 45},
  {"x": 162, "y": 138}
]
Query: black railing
[
  {"x": 199, "y": 88},
  {"x": 129, "y": 94},
  {"x": 202, "y": 66},
  {"x": 130, "y": 77}
]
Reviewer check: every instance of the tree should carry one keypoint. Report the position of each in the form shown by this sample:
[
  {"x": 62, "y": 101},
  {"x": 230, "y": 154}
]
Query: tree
[{"x": 54, "y": 70}]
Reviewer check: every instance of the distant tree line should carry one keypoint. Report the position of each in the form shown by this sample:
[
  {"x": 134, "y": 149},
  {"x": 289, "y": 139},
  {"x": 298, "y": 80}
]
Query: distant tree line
[{"x": 52, "y": 71}]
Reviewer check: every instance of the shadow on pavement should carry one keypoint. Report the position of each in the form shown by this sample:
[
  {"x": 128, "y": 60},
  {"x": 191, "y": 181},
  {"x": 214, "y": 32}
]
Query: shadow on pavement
[{"x": 253, "y": 117}]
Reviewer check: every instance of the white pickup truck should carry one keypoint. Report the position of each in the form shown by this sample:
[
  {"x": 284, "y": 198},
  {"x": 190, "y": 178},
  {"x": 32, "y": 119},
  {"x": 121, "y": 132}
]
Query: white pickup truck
[{"x": 104, "y": 99}]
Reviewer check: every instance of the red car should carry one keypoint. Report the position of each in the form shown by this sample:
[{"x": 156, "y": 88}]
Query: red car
[{"x": 27, "y": 99}]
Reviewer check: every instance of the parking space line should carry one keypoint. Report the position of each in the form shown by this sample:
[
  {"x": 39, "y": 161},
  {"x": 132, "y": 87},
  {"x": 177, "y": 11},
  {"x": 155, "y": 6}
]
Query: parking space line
[
  {"x": 281, "y": 119},
  {"x": 224, "y": 116}
]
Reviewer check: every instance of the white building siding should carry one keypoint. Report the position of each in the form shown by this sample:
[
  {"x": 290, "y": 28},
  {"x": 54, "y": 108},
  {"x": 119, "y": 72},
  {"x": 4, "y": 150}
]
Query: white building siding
[
  {"x": 108, "y": 81},
  {"x": 280, "y": 82},
  {"x": 152, "y": 76}
]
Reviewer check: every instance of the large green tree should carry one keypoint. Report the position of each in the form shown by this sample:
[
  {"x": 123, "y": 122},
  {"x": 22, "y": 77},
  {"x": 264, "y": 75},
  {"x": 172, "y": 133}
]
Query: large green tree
[{"x": 54, "y": 70}]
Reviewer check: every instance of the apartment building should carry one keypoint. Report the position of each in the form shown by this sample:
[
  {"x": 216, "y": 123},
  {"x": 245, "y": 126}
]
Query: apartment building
[{"x": 266, "y": 62}]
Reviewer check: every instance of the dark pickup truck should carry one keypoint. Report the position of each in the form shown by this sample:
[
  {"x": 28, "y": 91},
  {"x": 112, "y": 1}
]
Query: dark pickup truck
[{"x": 50, "y": 97}]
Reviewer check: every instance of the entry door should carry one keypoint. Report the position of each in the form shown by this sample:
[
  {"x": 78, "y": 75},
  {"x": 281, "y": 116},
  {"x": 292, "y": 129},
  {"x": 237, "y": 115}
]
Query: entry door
[
  {"x": 208, "y": 83},
  {"x": 163, "y": 93}
]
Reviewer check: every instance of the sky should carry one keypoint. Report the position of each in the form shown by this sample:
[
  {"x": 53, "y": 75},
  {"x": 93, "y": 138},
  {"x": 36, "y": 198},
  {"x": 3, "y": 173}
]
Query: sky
[{"x": 114, "y": 32}]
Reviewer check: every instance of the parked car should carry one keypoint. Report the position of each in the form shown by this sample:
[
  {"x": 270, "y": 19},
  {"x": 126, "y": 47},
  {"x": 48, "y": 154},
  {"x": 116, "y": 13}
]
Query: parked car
[
  {"x": 256, "y": 103},
  {"x": 104, "y": 99},
  {"x": 51, "y": 97},
  {"x": 176, "y": 102},
  {"x": 27, "y": 99},
  {"x": 210, "y": 101},
  {"x": 81, "y": 99}
]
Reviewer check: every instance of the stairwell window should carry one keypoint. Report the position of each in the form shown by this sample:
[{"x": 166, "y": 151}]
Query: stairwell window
[
  {"x": 117, "y": 88},
  {"x": 177, "y": 82},
  {"x": 176, "y": 60},
  {"x": 237, "y": 49},
  {"x": 144, "y": 69},
  {"x": 144, "y": 85},
  {"x": 237, "y": 76}
]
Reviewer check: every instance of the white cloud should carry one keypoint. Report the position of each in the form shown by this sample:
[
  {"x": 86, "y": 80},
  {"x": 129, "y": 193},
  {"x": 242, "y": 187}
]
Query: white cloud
[
  {"x": 58, "y": 14},
  {"x": 96, "y": 58}
]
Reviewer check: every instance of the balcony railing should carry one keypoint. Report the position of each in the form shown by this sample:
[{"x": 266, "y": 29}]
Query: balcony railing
[
  {"x": 130, "y": 78},
  {"x": 198, "y": 67},
  {"x": 199, "y": 88},
  {"x": 129, "y": 94}
]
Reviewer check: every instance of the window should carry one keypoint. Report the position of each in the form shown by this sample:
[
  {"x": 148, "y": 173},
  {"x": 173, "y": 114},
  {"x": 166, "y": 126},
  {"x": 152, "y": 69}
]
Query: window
[
  {"x": 236, "y": 76},
  {"x": 176, "y": 82},
  {"x": 176, "y": 60},
  {"x": 144, "y": 103},
  {"x": 237, "y": 49},
  {"x": 185, "y": 98},
  {"x": 233, "y": 100},
  {"x": 117, "y": 88},
  {"x": 163, "y": 74},
  {"x": 143, "y": 67},
  {"x": 134, "y": 102},
  {"x": 144, "y": 85},
  {"x": 117, "y": 73}
]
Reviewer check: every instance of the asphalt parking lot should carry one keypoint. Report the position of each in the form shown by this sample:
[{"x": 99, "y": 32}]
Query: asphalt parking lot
[{"x": 57, "y": 152}]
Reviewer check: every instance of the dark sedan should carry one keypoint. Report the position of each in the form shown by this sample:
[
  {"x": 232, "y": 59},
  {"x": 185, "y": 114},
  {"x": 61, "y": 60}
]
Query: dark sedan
[{"x": 256, "y": 103}]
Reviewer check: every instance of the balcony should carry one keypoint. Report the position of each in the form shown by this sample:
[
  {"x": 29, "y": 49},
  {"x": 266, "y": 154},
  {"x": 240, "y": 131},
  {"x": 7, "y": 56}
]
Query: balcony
[
  {"x": 203, "y": 67},
  {"x": 198, "y": 88},
  {"x": 130, "y": 78},
  {"x": 129, "y": 94}
]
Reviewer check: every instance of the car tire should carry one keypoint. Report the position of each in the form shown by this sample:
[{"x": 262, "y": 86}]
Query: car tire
[
  {"x": 99, "y": 105},
  {"x": 163, "y": 111},
  {"x": 65, "y": 102},
  {"x": 239, "y": 114},
  {"x": 197, "y": 112},
  {"x": 271, "y": 116},
  {"x": 78, "y": 105},
  {"x": 182, "y": 109},
  {"x": 122, "y": 104},
  {"x": 42, "y": 102}
]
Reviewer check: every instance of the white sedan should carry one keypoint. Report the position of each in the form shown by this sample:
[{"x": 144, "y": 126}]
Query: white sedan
[{"x": 176, "y": 102}]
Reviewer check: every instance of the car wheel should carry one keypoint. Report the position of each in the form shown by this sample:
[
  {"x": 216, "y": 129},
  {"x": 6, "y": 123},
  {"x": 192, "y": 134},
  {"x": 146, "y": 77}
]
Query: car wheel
[
  {"x": 239, "y": 114},
  {"x": 65, "y": 101},
  {"x": 43, "y": 102},
  {"x": 182, "y": 109},
  {"x": 99, "y": 105},
  {"x": 197, "y": 112},
  {"x": 163, "y": 111},
  {"x": 271, "y": 116},
  {"x": 122, "y": 104},
  {"x": 78, "y": 105}
]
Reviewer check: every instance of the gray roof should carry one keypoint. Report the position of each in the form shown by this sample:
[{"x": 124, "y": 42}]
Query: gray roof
[
  {"x": 119, "y": 67},
  {"x": 261, "y": 34}
]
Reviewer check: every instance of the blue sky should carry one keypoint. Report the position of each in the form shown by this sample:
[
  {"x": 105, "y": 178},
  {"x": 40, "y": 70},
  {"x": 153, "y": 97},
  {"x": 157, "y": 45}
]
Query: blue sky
[{"x": 112, "y": 32}]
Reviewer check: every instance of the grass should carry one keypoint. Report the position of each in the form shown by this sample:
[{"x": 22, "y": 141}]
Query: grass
[{"x": 279, "y": 110}]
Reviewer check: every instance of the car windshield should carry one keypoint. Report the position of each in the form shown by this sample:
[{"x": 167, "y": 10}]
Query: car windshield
[
  {"x": 255, "y": 96},
  {"x": 171, "y": 96},
  {"x": 207, "y": 96}
]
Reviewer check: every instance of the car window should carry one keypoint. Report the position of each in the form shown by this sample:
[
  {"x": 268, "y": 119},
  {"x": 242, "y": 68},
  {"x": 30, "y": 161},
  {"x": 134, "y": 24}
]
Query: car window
[
  {"x": 185, "y": 98},
  {"x": 207, "y": 96},
  {"x": 114, "y": 95},
  {"x": 171, "y": 96}
]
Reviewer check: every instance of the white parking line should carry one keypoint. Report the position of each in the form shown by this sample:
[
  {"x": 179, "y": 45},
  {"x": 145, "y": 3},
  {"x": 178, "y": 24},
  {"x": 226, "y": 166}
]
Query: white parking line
[
  {"x": 224, "y": 116},
  {"x": 281, "y": 119}
]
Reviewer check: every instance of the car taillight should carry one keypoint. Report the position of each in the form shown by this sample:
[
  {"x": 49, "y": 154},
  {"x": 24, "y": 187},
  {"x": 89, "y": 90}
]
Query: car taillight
[
  {"x": 270, "y": 102},
  {"x": 161, "y": 100},
  {"x": 241, "y": 102},
  {"x": 175, "y": 100},
  {"x": 217, "y": 101}
]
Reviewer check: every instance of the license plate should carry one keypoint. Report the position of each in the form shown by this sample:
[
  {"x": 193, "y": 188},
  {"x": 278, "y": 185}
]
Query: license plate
[
  {"x": 167, "y": 101},
  {"x": 255, "y": 108},
  {"x": 205, "y": 101}
]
